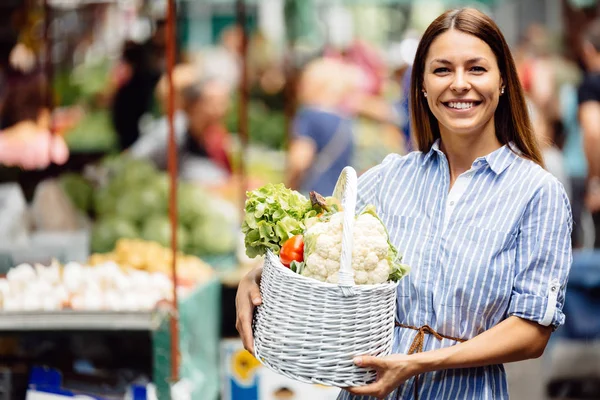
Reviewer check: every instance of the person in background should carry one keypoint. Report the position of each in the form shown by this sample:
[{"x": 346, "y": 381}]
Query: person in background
[
  {"x": 155, "y": 135},
  {"x": 322, "y": 141},
  {"x": 207, "y": 144},
  {"x": 200, "y": 133},
  {"x": 144, "y": 65},
  {"x": 223, "y": 61},
  {"x": 401, "y": 59},
  {"x": 538, "y": 74},
  {"x": 553, "y": 157},
  {"x": 25, "y": 138},
  {"x": 589, "y": 118}
]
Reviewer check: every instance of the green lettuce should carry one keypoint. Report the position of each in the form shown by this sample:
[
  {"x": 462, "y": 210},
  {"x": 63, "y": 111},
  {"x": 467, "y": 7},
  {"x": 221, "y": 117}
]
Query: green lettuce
[{"x": 274, "y": 213}]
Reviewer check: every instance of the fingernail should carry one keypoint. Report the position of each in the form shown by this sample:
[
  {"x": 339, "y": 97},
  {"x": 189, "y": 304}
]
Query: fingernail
[
  {"x": 256, "y": 301},
  {"x": 358, "y": 361}
]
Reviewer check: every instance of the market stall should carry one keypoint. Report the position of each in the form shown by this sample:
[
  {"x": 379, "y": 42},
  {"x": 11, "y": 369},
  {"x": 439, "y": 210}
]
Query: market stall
[
  {"x": 105, "y": 234},
  {"x": 75, "y": 274}
]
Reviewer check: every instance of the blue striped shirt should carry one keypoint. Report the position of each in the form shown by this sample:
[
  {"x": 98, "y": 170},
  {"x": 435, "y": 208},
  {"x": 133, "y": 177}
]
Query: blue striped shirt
[{"x": 495, "y": 245}]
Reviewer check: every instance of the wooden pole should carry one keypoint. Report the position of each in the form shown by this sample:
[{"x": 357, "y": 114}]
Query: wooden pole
[
  {"x": 172, "y": 166},
  {"x": 243, "y": 99},
  {"x": 48, "y": 67},
  {"x": 290, "y": 93},
  {"x": 291, "y": 86}
]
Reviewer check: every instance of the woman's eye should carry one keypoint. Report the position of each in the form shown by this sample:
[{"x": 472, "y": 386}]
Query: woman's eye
[
  {"x": 441, "y": 70},
  {"x": 478, "y": 69}
]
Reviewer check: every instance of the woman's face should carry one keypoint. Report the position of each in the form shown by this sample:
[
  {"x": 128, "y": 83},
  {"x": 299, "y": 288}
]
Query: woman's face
[{"x": 462, "y": 81}]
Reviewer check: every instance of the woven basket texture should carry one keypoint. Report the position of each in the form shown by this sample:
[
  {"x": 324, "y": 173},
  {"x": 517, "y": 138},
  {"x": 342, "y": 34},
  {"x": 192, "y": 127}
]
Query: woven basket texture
[{"x": 310, "y": 331}]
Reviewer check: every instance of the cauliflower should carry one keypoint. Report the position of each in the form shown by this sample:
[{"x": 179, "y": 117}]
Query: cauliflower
[{"x": 374, "y": 258}]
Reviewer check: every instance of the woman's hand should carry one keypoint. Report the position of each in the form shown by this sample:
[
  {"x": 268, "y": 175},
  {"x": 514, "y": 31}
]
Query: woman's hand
[
  {"x": 392, "y": 371},
  {"x": 247, "y": 297}
]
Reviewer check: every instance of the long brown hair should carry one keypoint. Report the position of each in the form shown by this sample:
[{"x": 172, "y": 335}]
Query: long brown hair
[{"x": 511, "y": 118}]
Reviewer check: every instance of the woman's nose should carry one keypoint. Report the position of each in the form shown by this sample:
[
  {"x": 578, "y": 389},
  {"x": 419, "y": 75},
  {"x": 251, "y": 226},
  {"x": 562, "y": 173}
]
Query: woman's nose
[{"x": 460, "y": 83}]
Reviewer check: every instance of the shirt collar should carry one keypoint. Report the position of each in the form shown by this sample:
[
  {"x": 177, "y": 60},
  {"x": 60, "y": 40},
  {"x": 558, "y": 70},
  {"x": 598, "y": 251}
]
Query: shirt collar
[
  {"x": 435, "y": 148},
  {"x": 498, "y": 160}
]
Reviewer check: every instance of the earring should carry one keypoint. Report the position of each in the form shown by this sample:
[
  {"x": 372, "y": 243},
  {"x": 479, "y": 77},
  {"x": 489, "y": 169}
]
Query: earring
[
  {"x": 425, "y": 94},
  {"x": 502, "y": 90}
]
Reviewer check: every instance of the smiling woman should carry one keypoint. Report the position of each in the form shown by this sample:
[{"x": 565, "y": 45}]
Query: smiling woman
[{"x": 484, "y": 227}]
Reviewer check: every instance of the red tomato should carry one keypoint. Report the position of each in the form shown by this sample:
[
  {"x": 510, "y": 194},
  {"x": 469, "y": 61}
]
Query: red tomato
[{"x": 292, "y": 250}]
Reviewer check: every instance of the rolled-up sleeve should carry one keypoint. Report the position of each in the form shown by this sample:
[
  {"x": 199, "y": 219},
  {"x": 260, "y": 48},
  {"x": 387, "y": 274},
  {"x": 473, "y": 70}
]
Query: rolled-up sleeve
[{"x": 544, "y": 257}]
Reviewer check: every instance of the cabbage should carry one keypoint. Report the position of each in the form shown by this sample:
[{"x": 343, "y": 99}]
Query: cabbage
[
  {"x": 192, "y": 204},
  {"x": 158, "y": 229},
  {"x": 107, "y": 231},
  {"x": 79, "y": 190},
  {"x": 212, "y": 237},
  {"x": 138, "y": 203}
]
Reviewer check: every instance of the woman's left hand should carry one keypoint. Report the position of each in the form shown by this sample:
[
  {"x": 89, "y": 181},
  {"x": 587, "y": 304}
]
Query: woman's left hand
[{"x": 392, "y": 371}]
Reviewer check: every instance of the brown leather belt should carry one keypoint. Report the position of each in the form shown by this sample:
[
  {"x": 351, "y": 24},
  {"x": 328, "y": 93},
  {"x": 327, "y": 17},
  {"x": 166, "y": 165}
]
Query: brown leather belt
[{"x": 417, "y": 345}]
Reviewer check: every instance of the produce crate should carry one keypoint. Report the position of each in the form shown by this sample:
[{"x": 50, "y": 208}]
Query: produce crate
[
  {"x": 199, "y": 330},
  {"x": 18, "y": 244},
  {"x": 44, "y": 246}
]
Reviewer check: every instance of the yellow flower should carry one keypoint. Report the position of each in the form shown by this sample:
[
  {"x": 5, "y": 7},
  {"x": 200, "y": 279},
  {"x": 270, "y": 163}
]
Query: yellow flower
[{"x": 243, "y": 365}]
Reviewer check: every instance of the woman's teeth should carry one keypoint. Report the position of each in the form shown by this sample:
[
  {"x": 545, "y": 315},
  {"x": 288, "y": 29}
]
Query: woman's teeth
[{"x": 461, "y": 105}]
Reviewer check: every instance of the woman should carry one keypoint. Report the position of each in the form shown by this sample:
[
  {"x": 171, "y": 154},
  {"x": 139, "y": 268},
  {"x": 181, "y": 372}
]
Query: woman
[{"x": 485, "y": 228}]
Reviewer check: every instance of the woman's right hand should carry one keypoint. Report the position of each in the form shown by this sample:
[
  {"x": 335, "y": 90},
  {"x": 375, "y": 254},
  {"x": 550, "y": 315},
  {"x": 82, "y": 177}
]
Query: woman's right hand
[{"x": 247, "y": 297}]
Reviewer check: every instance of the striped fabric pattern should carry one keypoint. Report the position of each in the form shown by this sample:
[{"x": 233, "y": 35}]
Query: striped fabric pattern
[{"x": 497, "y": 244}]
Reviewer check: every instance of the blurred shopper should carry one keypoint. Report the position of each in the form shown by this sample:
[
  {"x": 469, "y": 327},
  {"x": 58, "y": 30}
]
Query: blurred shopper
[
  {"x": 553, "y": 157},
  {"x": 401, "y": 60},
  {"x": 537, "y": 71},
  {"x": 322, "y": 142},
  {"x": 576, "y": 166},
  {"x": 203, "y": 141},
  {"x": 154, "y": 137},
  {"x": 25, "y": 138},
  {"x": 589, "y": 116},
  {"x": 207, "y": 145},
  {"x": 141, "y": 69},
  {"x": 223, "y": 61}
]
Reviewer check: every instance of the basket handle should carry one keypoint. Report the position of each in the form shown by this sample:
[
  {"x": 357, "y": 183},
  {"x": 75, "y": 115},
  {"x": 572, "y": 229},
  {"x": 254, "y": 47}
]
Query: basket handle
[{"x": 346, "y": 191}]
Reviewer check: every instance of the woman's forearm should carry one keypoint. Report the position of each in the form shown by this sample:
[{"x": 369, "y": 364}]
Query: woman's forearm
[{"x": 514, "y": 339}]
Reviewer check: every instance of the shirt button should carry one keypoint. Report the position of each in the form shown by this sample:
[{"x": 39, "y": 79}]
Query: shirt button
[
  {"x": 451, "y": 203},
  {"x": 554, "y": 288}
]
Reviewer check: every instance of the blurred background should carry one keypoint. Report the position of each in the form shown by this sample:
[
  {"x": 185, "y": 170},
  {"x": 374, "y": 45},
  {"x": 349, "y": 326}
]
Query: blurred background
[{"x": 264, "y": 91}]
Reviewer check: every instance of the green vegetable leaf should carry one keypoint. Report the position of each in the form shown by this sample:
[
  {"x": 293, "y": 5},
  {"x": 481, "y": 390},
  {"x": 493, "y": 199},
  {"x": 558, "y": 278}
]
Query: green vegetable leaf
[
  {"x": 274, "y": 213},
  {"x": 297, "y": 267}
]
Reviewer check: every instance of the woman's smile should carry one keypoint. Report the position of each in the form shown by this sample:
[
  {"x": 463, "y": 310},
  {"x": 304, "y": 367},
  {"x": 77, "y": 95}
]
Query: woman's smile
[{"x": 461, "y": 107}]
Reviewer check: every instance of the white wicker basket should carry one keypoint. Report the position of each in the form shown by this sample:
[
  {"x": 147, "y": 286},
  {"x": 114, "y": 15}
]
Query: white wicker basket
[{"x": 310, "y": 330}]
